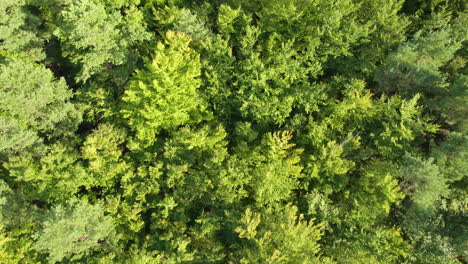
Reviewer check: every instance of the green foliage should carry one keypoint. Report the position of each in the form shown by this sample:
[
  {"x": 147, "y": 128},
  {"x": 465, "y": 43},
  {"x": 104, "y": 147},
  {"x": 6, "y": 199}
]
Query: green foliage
[
  {"x": 266, "y": 85},
  {"x": 415, "y": 66},
  {"x": 323, "y": 28},
  {"x": 101, "y": 150},
  {"x": 75, "y": 230},
  {"x": 16, "y": 226},
  {"x": 56, "y": 175},
  {"x": 423, "y": 182},
  {"x": 45, "y": 112},
  {"x": 233, "y": 131},
  {"x": 115, "y": 4},
  {"x": 374, "y": 193},
  {"x": 164, "y": 95},
  {"x": 437, "y": 237},
  {"x": 217, "y": 79},
  {"x": 278, "y": 236},
  {"x": 422, "y": 7},
  {"x": 451, "y": 156},
  {"x": 15, "y": 137},
  {"x": 357, "y": 216},
  {"x": 400, "y": 123},
  {"x": 386, "y": 30},
  {"x": 377, "y": 245},
  {"x": 193, "y": 26},
  {"x": 96, "y": 40},
  {"x": 276, "y": 174},
  {"x": 227, "y": 19},
  {"x": 194, "y": 158},
  {"x": 19, "y": 31},
  {"x": 434, "y": 229},
  {"x": 428, "y": 64}
]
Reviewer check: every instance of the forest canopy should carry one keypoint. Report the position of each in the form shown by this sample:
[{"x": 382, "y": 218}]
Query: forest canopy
[{"x": 233, "y": 131}]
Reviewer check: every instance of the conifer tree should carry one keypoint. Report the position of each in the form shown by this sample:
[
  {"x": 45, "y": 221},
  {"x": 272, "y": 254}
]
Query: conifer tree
[
  {"x": 74, "y": 231},
  {"x": 97, "y": 40},
  {"x": 33, "y": 106},
  {"x": 19, "y": 31}
]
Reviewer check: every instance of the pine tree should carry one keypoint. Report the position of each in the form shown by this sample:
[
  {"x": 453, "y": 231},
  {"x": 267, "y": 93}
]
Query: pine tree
[
  {"x": 97, "y": 40},
  {"x": 19, "y": 31},
  {"x": 33, "y": 106},
  {"x": 74, "y": 231},
  {"x": 424, "y": 183}
]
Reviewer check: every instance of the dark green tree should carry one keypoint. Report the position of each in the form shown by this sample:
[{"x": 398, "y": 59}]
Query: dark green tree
[
  {"x": 98, "y": 40},
  {"x": 33, "y": 106},
  {"x": 74, "y": 231},
  {"x": 19, "y": 31}
]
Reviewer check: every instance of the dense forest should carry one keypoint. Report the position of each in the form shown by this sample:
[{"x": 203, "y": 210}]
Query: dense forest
[{"x": 233, "y": 131}]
